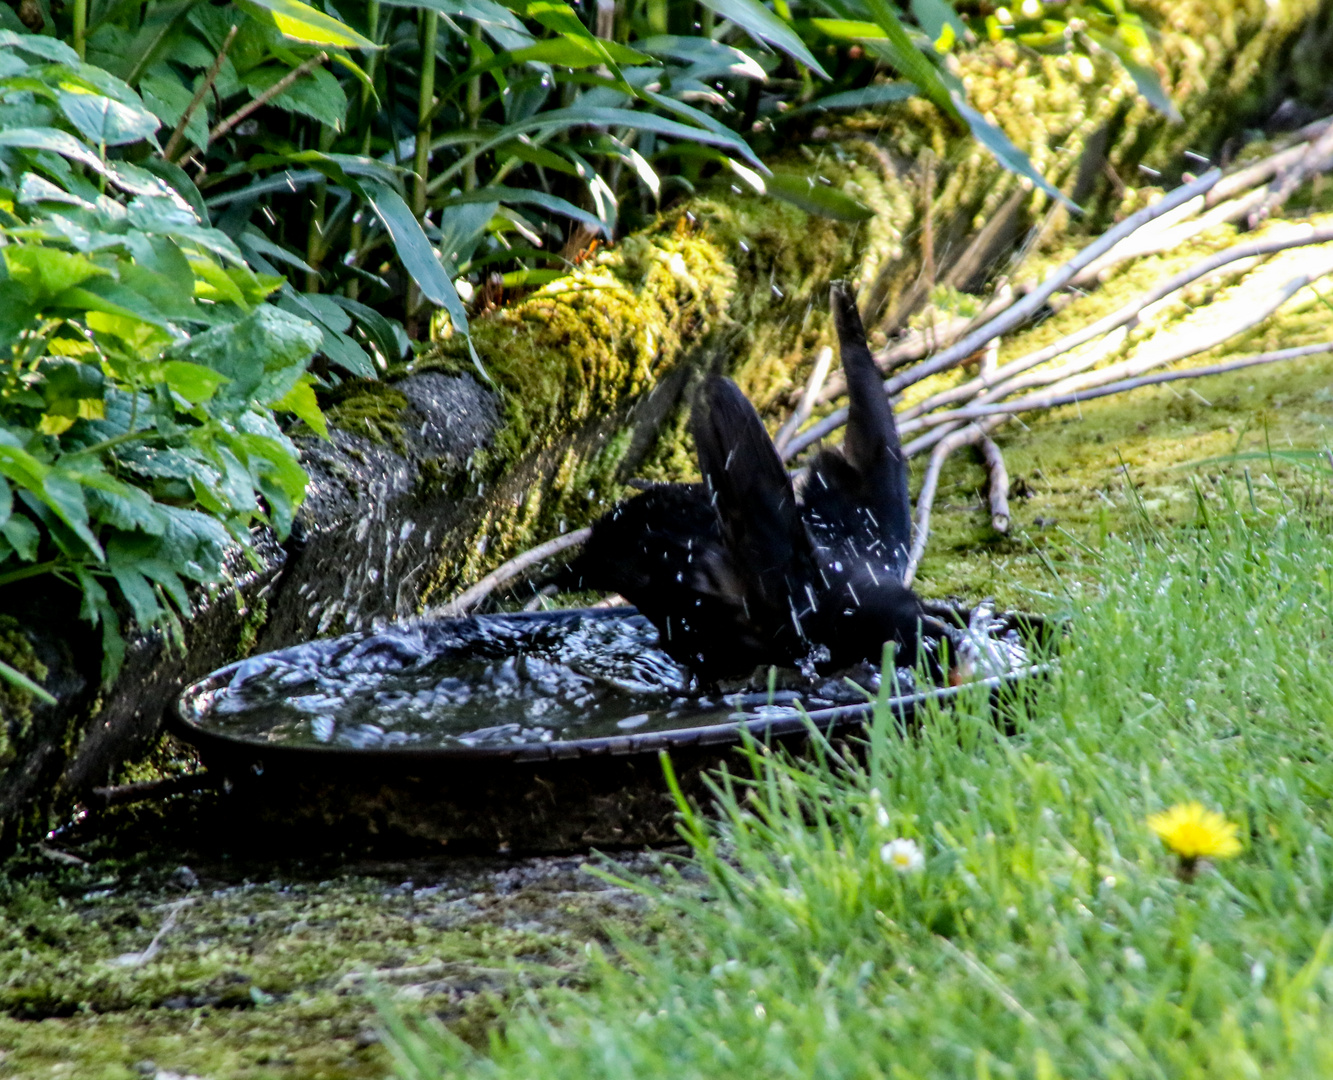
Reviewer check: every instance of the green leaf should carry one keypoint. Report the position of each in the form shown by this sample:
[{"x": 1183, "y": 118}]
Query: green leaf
[
  {"x": 194, "y": 382},
  {"x": 301, "y": 22},
  {"x": 101, "y": 120},
  {"x": 17, "y": 678},
  {"x": 417, "y": 256},
  {"x": 54, "y": 140},
  {"x": 1144, "y": 76},
  {"x": 22, "y": 535},
  {"x": 1006, "y": 153},
  {"x": 521, "y": 196},
  {"x": 719, "y": 58},
  {"x": 48, "y": 48},
  {"x": 879, "y": 94},
  {"x": 46, "y": 271},
  {"x": 168, "y": 98},
  {"x": 816, "y": 198},
  {"x": 376, "y": 327},
  {"x": 934, "y": 16},
  {"x": 136, "y": 589},
  {"x": 262, "y": 354},
  {"x": 64, "y": 495},
  {"x": 300, "y": 400},
  {"x": 316, "y": 94},
  {"x": 122, "y": 505},
  {"x": 848, "y": 29},
  {"x": 760, "y": 23}
]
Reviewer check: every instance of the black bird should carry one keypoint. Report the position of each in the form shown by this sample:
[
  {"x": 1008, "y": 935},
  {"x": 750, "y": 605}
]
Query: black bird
[{"x": 736, "y": 572}]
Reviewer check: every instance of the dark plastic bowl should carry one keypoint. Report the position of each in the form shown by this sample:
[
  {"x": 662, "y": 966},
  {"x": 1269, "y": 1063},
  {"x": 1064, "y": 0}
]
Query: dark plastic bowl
[{"x": 552, "y": 796}]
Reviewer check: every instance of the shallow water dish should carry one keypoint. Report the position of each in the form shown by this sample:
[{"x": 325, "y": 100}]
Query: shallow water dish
[{"x": 536, "y": 730}]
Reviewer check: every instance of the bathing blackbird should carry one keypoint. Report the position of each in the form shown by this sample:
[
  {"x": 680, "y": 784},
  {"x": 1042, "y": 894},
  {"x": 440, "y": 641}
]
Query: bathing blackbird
[{"x": 736, "y": 572}]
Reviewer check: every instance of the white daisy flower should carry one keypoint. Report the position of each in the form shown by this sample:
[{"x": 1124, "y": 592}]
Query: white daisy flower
[{"x": 903, "y": 855}]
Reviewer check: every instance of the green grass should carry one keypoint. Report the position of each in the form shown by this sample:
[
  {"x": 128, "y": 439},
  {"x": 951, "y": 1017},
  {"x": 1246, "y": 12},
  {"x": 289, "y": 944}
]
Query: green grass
[{"x": 1048, "y": 934}]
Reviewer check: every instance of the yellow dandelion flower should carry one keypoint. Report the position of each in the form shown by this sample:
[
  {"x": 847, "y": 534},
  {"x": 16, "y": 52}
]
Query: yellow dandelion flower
[{"x": 1195, "y": 833}]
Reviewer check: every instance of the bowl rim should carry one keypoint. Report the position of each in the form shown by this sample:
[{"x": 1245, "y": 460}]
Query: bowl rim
[{"x": 775, "y": 722}]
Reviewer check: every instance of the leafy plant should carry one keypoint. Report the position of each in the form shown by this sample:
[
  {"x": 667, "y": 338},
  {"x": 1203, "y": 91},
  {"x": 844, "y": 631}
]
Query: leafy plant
[
  {"x": 140, "y": 359},
  {"x": 380, "y": 151}
]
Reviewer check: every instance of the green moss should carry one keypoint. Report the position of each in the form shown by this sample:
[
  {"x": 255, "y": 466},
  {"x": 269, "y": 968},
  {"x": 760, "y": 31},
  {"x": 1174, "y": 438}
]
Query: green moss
[
  {"x": 370, "y": 409},
  {"x": 15, "y": 702}
]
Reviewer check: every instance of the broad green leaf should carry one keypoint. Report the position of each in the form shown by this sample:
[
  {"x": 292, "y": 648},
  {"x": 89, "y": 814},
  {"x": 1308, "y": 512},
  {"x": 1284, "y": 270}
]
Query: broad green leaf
[
  {"x": 760, "y": 23},
  {"x": 417, "y": 256},
  {"x": 122, "y": 505},
  {"x": 54, "y": 140},
  {"x": 316, "y": 94},
  {"x": 21, "y": 467},
  {"x": 65, "y": 379},
  {"x": 462, "y": 225},
  {"x": 136, "y": 589},
  {"x": 337, "y": 347},
  {"x": 262, "y": 354},
  {"x": 168, "y": 98},
  {"x": 102, "y": 120},
  {"x": 48, "y": 48},
  {"x": 47, "y": 271},
  {"x": 301, "y": 22},
  {"x": 300, "y": 400},
  {"x": 166, "y": 577},
  {"x": 64, "y": 495},
  {"x": 194, "y": 382},
  {"x": 816, "y": 198},
  {"x": 23, "y": 536}
]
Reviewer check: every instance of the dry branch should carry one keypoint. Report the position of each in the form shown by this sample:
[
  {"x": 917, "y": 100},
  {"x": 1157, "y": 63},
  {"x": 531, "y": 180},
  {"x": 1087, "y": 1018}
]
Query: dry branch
[
  {"x": 813, "y": 386},
  {"x": 1318, "y": 157},
  {"x": 925, "y": 499},
  {"x": 1017, "y": 313},
  {"x": 1003, "y": 381},
  {"x": 224, "y": 126},
  {"x": 997, "y": 484},
  {"x": 507, "y": 572},
  {"x": 178, "y": 133},
  {"x": 1120, "y": 386}
]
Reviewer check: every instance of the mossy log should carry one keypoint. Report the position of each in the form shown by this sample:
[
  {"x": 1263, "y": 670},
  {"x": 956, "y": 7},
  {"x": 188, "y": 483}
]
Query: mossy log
[{"x": 433, "y": 477}]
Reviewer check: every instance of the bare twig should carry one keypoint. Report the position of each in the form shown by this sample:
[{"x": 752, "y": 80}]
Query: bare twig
[
  {"x": 224, "y": 126},
  {"x": 1004, "y": 381},
  {"x": 1317, "y": 158},
  {"x": 1019, "y": 312},
  {"x": 506, "y": 572},
  {"x": 997, "y": 484},
  {"x": 925, "y": 499},
  {"x": 102, "y": 797},
  {"x": 137, "y": 959},
  {"x": 1120, "y": 386},
  {"x": 813, "y": 385},
  {"x": 178, "y": 134}
]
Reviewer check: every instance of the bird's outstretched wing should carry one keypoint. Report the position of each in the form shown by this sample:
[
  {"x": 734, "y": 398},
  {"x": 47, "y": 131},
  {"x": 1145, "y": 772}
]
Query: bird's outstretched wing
[
  {"x": 755, "y": 503},
  {"x": 871, "y": 446}
]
